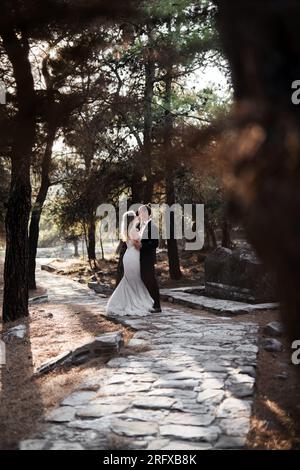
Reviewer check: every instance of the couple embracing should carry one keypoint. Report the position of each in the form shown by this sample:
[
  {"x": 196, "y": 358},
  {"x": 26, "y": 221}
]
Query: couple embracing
[{"x": 137, "y": 293}]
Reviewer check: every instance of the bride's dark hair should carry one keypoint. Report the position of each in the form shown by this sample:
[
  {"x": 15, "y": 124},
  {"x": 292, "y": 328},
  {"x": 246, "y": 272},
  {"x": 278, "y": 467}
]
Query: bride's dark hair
[{"x": 127, "y": 220}]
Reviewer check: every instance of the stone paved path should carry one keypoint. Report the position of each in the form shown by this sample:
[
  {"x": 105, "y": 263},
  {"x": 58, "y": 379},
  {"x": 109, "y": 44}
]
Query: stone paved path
[
  {"x": 184, "y": 296},
  {"x": 191, "y": 387}
]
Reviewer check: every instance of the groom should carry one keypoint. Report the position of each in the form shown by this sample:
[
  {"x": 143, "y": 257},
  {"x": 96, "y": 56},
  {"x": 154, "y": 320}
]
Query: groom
[{"x": 148, "y": 246}]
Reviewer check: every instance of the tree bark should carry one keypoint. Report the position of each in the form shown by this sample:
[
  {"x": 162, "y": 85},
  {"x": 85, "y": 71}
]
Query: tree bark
[
  {"x": 142, "y": 185},
  {"x": 91, "y": 246},
  {"x": 173, "y": 257},
  {"x": 101, "y": 242},
  {"x": 211, "y": 240},
  {"x": 76, "y": 246},
  {"x": 15, "y": 298},
  {"x": 38, "y": 207},
  {"x": 148, "y": 123},
  {"x": 226, "y": 236}
]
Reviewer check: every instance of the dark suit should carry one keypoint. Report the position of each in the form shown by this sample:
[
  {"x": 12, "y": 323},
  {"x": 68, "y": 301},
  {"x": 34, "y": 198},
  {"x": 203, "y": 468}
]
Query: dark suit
[{"x": 149, "y": 242}]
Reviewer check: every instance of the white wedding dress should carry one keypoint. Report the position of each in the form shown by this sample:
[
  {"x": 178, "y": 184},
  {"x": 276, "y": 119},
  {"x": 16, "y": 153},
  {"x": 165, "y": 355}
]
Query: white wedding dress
[{"x": 131, "y": 296}]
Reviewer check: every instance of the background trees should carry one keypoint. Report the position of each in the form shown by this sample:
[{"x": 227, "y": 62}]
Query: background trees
[
  {"x": 101, "y": 98},
  {"x": 21, "y": 25}
]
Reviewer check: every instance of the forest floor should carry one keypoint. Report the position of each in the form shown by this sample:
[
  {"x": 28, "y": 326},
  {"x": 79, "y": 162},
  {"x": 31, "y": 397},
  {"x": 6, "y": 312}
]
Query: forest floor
[
  {"x": 26, "y": 399},
  {"x": 79, "y": 270}
]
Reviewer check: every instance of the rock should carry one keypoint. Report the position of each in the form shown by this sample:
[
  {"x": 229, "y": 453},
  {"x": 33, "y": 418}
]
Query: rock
[
  {"x": 114, "y": 441},
  {"x": 210, "y": 396},
  {"x": 78, "y": 398},
  {"x": 181, "y": 384},
  {"x": 58, "y": 361},
  {"x": 134, "y": 342},
  {"x": 63, "y": 414},
  {"x": 272, "y": 345},
  {"x": 183, "y": 375},
  {"x": 100, "y": 288},
  {"x": 48, "y": 267},
  {"x": 181, "y": 445},
  {"x": 214, "y": 367},
  {"x": 238, "y": 275},
  {"x": 250, "y": 370},
  {"x": 134, "y": 428},
  {"x": 115, "y": 389},
  {"x": 106, "y": 344},
  {"x": 15, "y": 332},
  {"x": 240, "y": 385},
  {"x": 209, "y": 384},
  {"x": 189, "y": 419},
  {"x": 91, "y": 385},
  {"x": 175, "y": 393},
  {"x": 32, "y": 444},
  {"x": 138, "y": 414},
  {"x": 236, "y": 426},
  {"x": 274, "y": 328},
  {"x": 193, "y": 433},
  {"x": 251, "y": 348},
  {"x": 111, "y": 340},
  {"x": 233, "y": 408},
  {"x": 65, "y": 445},
  {"x": 157, "y": 444},
  {"x": 101, "y": 425},
  {"x": 97, "y": 410},
  {"x": 157, "y": 403},
  {"x": 230, "y": 442},
  {"x": 125, "y": 363},
  {"x": 38, "y": 299}
]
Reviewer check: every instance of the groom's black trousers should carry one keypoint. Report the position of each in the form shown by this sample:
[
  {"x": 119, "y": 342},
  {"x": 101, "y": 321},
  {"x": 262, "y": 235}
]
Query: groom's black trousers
[{"x": 147, "y": 261}]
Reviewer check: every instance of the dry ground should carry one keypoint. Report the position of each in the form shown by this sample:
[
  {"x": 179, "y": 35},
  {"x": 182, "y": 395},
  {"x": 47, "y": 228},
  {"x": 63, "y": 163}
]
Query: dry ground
[{"x": 53, "y": 329}]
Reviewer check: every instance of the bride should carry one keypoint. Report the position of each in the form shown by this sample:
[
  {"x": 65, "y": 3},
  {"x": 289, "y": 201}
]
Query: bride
[{"x": 131, "y": 296}]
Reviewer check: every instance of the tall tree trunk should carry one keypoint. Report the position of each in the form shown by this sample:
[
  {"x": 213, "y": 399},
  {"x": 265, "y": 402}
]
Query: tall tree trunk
[
  {"x": 38, "y": 207},
  {"x": 226, "y": 238},
  {"x": 91, "y": 247},
  {"x": 76, "y": 246},
  {"x": 101, "y": 242},
  {"x": 148, "y": 122},
  {"x": 15, "y": 298},
  {"x": 173, "y": 257},
  {"x": 137, "y": 189},
  {"x": 210, "y": 236},
  {"x": 142, "y": 179}
]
